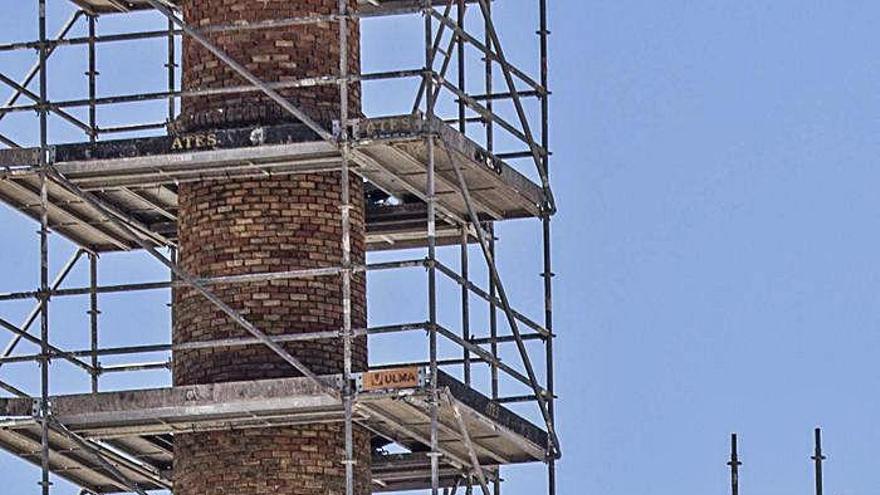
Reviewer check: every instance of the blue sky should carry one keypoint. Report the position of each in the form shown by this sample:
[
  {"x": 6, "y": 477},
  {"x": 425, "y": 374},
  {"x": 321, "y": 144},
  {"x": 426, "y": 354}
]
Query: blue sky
[{"x": 715, "y": 245}]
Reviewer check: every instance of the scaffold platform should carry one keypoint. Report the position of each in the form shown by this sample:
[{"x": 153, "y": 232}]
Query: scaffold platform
[
  {"x": 134, "y": 430},
  {"x": 365, "y": 7},
  {"x": 139, "y": 178}
]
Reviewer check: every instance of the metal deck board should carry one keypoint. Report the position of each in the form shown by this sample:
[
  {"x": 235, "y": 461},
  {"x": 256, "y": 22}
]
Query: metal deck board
[
  {"x": 136, "y": 428},
  {"x": 139, "y": 178},
  {"x": 69, "y": 461}
]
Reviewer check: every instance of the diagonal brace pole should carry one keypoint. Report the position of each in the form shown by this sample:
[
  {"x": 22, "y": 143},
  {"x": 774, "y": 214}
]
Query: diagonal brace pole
[
  {"x": 438, "y": 38},
  {"x": 32, "y": 316},
  {"x": 33, "y": 340},
  {"x": 466, "y": 437},
  {"x": 193, "y": 282},
  {"x": 511, "y": 87},
  {"x": 241, "y": 70},
  {"x": 35, "y": 69},
  {"x": 36, "y": 98},
  {"x": 502, "y": 295},
  {"x": 91, "y": 449}
]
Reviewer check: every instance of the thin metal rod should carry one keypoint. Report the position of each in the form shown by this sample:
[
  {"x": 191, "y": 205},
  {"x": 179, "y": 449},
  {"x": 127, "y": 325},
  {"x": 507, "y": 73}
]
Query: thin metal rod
[
  {"x": 734, "y": 464},
  {"x": 432, "y": 247},
  {"x": 493, "y": 317},
  {"x": 229, "y": 279},
  {"x": 546, "y": 234},
  {"x": 507, "y": 339},
  {"x": 818, "y": 457},
  {"x": 13, "y": 390},
  {"x": 122, "y": 368},
  {"x": 345, "y": 212},
  {"x": 229, "y": 342},
  {"x": 242, "y": 71},
  {"x": 94, "y": 312},
  {"x": 146, "y": 35},
  {"x": 44, "y": 411},
  {"x": 490, "y": 147},
  {"x": 92, "y": 75},
  {"x": 462, "y": 63},
  {"x": 465, "y": 305},
  {"x": 171, "y": 66},
  {"x": 228, "y": 90}
]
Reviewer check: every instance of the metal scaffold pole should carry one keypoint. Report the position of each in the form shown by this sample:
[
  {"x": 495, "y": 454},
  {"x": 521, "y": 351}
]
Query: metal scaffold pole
[
  {"x": 94, "y": 313},
  {"x": 430, "y": 99},
  {"x": 734, "y": 464},
  {"x": 44, "y": 411},
  {"x": 818, "y": 458},
  {"x": 170, "y": 67},
  {"x": 465, "y": 306},
  {"x": 547, "y": 275},
  {"x": 92, "y": 76},
  {"x": 490, "y": 227},
  {"x": 346, "y": 273}
]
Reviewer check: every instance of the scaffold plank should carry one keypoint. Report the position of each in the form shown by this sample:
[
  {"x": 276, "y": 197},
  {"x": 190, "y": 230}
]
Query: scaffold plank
[
  {"x": 135, "y": 429},
  {"x": 366, "y": 7},
  {"x": 139, "y": 178}
]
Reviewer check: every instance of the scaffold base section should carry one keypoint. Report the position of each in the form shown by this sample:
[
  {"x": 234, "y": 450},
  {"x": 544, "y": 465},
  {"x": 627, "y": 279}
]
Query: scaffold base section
[
  {"x": 139, "y": 179},
  {"x": 134, "y": 430}
]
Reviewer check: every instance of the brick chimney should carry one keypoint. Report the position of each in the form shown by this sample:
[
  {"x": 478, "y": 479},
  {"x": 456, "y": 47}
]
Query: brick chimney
[{"x": 243, "y": 226}]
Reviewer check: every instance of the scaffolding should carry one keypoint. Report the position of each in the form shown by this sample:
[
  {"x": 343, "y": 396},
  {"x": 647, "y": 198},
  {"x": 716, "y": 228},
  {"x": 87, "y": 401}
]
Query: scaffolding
[{"x": 432, "y": 181}]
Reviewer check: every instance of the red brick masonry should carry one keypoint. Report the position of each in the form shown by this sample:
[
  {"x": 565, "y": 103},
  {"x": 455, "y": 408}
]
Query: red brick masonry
[{"x": 244, "y": 226}]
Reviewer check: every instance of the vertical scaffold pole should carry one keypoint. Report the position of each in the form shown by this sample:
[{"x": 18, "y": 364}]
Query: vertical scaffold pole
[
  {"x": 462, "y": 127},
  {"x": 171, "y": 66},
  {"x": 432, "y": 246},
  {"x": 818, "y": 457},
  {"x": 94, "y": 312},
  {"x": 490, "y": 227},
  {"x": 93, "y": 79},
  {"x": 345, "y": 212},
  {"x": 44, "y": 253},
  {"x": 547, "y": 275},
  {"x": 465, "y": 305},
  {"x": 734, "y": 464},
  {"x": 462, "y": 82}
]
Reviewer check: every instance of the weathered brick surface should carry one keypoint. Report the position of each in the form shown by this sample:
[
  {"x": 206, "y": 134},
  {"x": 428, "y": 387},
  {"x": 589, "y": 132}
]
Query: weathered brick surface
[
  {"x": 275, "y": 55},
  {"x": 242, "y": 226},
  {"x": 280, "y": 461}
]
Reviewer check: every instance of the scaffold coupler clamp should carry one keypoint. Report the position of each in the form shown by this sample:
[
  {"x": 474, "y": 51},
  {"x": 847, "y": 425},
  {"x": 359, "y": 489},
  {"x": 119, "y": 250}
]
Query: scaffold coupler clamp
[{"x": 37, "y": 408}]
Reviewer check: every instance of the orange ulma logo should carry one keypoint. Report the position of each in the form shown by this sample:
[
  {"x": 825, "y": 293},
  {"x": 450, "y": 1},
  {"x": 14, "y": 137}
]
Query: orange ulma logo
[{"x": 400, "y": 378}]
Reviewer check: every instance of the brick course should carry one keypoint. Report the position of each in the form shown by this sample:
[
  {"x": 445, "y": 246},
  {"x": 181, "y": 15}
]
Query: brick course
[
  {"x": 275, "y": 55},
  {"x": 243, "y": 226}
]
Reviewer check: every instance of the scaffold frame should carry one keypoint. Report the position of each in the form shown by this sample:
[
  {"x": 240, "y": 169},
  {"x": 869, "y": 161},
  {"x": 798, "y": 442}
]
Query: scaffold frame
[{"x": 472, "y": 222}]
